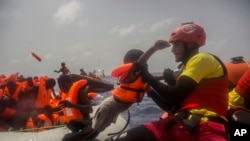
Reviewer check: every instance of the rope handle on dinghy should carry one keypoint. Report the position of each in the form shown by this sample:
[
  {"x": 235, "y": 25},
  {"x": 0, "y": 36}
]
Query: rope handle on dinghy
[{"x": 126, "y": 125}]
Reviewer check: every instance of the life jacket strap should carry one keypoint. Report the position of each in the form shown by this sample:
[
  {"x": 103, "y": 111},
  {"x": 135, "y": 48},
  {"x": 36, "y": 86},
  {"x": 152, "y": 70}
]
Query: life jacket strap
[
  {"x": 138, "y": 91},
  {"x": 133, "y": 89}
]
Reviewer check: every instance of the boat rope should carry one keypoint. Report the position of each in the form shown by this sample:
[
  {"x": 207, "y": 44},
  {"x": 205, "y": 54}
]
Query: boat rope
[
  {"x": 126, "y": 125},
  {"x": 38, "y": 128}
]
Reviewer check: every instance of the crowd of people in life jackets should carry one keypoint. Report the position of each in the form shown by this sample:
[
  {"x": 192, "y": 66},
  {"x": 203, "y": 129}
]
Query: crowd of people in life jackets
[
  {"x": 202, "y": 101},
  {"x": 26, "y": 103},
  {"x": 30, "y": 103}
]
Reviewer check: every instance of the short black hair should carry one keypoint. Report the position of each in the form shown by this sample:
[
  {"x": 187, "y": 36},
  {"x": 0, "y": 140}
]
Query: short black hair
[
  {"x": 64, "y": 82},
  {"x": 50, "y": 83},
  {"x": 132, "y": 55}
]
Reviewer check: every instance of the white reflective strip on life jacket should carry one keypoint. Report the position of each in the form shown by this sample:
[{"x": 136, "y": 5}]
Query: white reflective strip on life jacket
[{"x": 68, "y": 110}]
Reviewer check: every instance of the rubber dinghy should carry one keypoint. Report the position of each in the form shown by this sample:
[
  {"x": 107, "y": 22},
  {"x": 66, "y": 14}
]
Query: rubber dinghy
[{"x": 56, "y": 134}]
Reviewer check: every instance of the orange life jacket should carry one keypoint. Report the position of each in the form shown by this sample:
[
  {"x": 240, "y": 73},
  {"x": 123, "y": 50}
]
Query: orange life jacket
[
  {"x": 121, "y": 71},
  {"x": 10, "y": 77},
  {"x": 54, "y": 102},
  {"x": 72, "y": 113},
  {"x": 44, "y": 95},
  {"x": 1, "y": 93},
  {"x": 92, "y": 95},
  {"x": 132, "y": 92},
  {"x": 129, "y": 92}
]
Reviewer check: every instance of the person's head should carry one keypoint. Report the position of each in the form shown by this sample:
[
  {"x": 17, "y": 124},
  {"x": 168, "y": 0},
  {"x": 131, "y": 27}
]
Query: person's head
[
  {"x": 186, "y": 39},
  {"x": 64, "y": 83},
  {"x": 35, "y": 78},
  {"x": 63, "y": 64},
  {"x": 132, "y": 55},
  {"x": 21, "y": 78},
  {"x": 29, "y": 81},
  {"x": 235, "y": 69},
  {"x": 12, "y": 86},
  {"x": 81, "y": 70},
  {"x": 50, "y": 83}
]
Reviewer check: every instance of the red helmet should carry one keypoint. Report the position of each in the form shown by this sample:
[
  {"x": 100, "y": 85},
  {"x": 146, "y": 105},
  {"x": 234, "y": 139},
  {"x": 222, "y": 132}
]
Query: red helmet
[{"x": 189, "y": 32}]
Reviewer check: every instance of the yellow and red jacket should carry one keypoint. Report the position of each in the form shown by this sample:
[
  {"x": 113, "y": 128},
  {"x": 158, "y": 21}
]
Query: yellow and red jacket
[
  {"x": 240, "y": 96},
  {"x": 209, "y": 94},
  {"x": 243, "y": 87},
  {"x": 128, "y": 92},
  {"x": 72, "y": 113}
]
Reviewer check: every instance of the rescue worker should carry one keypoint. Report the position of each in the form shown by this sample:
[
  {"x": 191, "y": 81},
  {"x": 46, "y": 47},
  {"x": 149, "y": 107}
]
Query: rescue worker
[
  {"x": 63, "y": 69},
  {"x": 236, "y": 68},
  {"x": 239, "y": 95},
  {"x": 197, "y": 107}
]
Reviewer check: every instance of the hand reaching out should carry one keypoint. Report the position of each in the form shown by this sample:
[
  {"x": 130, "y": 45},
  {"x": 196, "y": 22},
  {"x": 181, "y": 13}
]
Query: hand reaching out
[
  {"x": 161, "y": 44},
  {"x": 65, "y": 103}
]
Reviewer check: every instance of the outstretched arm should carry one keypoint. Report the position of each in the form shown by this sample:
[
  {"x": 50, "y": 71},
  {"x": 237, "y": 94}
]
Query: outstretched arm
[
  {"x": 172, "y": 95},
  {"x": 83, "y": 108},
  {"x": 56, "y": 71},
  {"x": 159, "y": 45}
]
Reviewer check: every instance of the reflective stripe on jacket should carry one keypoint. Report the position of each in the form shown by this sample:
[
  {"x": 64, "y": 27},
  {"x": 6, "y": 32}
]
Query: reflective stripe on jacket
[{"x": 44, "y": 95}]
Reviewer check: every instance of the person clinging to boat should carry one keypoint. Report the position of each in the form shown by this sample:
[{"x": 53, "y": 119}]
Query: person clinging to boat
[
  {"x": 77, "y": 102},
  {"x": 196, "y": 106}
]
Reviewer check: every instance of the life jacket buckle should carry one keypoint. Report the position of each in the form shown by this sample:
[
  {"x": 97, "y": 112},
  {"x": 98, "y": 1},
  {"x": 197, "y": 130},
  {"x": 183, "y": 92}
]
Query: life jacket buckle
[
  {"x": 191, "y": 124},
  {"x": 177, "y": 118}
]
